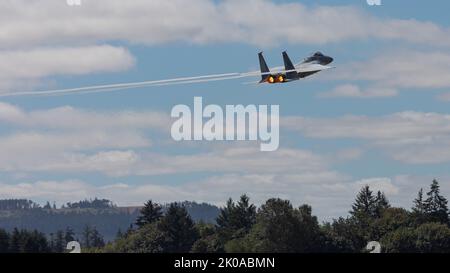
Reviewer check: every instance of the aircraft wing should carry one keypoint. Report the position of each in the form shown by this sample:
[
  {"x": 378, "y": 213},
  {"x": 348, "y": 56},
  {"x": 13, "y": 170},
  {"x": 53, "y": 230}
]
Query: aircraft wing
[
  {"x": 304, "y": 68},
  {"x": 300, "y": 68}
]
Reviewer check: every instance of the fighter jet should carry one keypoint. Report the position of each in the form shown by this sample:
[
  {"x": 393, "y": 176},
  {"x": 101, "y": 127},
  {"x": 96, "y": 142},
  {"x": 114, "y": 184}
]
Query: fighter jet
[{"x": 311, "y": 65}]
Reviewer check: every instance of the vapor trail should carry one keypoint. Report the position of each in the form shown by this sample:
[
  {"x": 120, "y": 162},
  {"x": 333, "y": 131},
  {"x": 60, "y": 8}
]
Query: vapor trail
[
  {"x": 112, "y": 87},
  {"x": 123, "y": 86}
]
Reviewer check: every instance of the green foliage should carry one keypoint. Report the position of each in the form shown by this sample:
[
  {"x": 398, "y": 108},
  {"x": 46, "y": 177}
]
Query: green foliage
[
  {"x": 148, "y": 239},
  {"x": 390, "y": 220},
  {"x": 343, "y": 235},
  {"x": 60, "y": 243},
  {"x": 17, "y": 204},
  {"x": 4, "y": 241},
  {"x": 173, "y": 232},
  {"x": 368, "y": 206},
  {"x": 178, "y": 228},
  {"x": 208, "y": 241},
  {"x": 150, "y": 213},
  {"x": 90, "y": 204},
  {"x": 280, "y": 228},
  {"x": 92, "y": 238},
  {"x": 235, "y": 220},
  {"x": 69, "y": 235},
  {"x": 402, "y": 240},
  {"x": 381, "y": 204},
  {"x": 432, "y": 209},
  {"x": 22, "y": 241},
  {"x": 435, "y": 205},
  {"x": 427, "y": 238}
]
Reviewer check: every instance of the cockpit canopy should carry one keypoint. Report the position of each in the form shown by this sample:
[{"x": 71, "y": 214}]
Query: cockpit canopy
[
  {"x": 318, "y": 58},
  {"x": 318, "y": 54}
]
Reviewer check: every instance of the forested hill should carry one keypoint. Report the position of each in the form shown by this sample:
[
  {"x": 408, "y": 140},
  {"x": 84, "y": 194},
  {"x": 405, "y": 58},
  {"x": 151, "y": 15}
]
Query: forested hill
[{"x": 102, "y": 214}]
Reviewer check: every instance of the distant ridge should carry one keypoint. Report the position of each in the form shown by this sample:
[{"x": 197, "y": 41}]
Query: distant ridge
[{"x": 100, "y": 213}]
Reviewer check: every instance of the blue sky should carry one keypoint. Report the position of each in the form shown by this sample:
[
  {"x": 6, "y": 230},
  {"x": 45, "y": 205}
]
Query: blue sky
[{"x": 380, "y": 118}]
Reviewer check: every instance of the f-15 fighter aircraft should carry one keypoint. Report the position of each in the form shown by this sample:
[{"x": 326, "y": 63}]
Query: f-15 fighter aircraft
[{"x": 309, "y": 66}]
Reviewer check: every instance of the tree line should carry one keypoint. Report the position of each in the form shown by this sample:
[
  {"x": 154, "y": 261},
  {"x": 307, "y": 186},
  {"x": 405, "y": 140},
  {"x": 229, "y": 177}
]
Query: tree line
[
  {"x": 17, "y": 204},
  {"x": 278, "y": 226},
  {"x": 107, "y": 218},
  {"x": 24, "y": 241},
  {"x": 24, "y": 204}
]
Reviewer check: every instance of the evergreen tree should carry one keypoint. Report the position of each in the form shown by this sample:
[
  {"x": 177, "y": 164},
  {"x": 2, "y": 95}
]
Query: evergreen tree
[
  {"x": 47, "y": 205},
  {"x": 52, "y": 241},
  {"x": 365, "y": 211},
  {"x": 280, "y": 228},
  {"x": 224, "y": 220},
  {"x": 419, "y": 204},
  {"x": 246, "y": 214},
  {"x": 129, "y": 230},
  {"x": 151, "y": 212},
  {"x": 15, "y": 243},
  {"x": 381, "y": 204},
  {"x": 419, "y": 212},
  {"x": 22, "y": 241},
  {"x": 34, "y": 242},
  {"x": 96, "y": 239},
  {"x": 208, "y": 241},
  {"x": 236, "y": 220},
  {"x": 4, "y": 241},
  {"x": 59, "y": 244},
  {"x": 119, "y": 234},
  {"x": 436, "y": 205},
  {"x": 69, "y": 235},
  {"x": 365, "y": 205},
  {"x": 87, "y": 235},
  {"x": 178, "y": 228}
]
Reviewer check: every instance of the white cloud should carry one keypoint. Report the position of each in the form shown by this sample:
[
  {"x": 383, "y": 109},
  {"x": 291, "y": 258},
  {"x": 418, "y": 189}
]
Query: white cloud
[
  {"x": 395, "y": 70},
  {"x": 61, "y": 191},
  {"x": 354, "y": 91},
  {"x": 402, "y": 127},
  {"x": 410, "y": 137},
  {"x": 235, "y": 159},
  {"x": 432, "y": 151},
  {"x": 383, "y": 184},
  {"x": 17, "y": 66},
  {"x": 257, "y": 22},
  {"x": 70, "y": 139},
  {"x": 129, "y": 162},
  {"x": 56, "y": 152},
  {"x": 70, "y": 118},
  {"x": 45, "y": 38}
]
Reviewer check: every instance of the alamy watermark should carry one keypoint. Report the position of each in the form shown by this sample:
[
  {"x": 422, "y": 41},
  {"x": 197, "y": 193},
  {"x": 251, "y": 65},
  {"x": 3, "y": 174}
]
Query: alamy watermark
[
  {"x": 235, "y": 122},
  {"x": 73, "y": 2},
  {"x": 374, "y": 2}
]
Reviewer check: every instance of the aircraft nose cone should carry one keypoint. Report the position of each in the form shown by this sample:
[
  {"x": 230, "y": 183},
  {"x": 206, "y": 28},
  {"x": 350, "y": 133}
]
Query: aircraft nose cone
[{"x": 330, "y": 60}]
